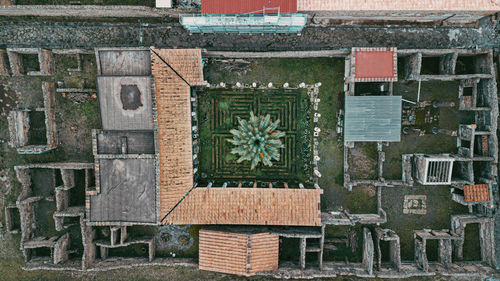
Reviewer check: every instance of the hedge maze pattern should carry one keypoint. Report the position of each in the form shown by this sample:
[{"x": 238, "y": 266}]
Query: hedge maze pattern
[{"x": 219, "y": 110}]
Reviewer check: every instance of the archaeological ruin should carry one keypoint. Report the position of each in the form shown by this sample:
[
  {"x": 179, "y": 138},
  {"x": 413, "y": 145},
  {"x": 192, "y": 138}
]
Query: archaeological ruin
[{"x": 253, "y": 141}]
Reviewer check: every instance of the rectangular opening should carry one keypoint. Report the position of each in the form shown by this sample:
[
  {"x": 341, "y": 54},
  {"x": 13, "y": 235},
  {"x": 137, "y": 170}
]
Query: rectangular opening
[
  {"x": 102, "y": 233},
  {"x": 41, "y": 252},
  {"x": 430, "y": 66},
  {"x": 289, "y": 249},
  {"x": 460, "y": 171},
  {"x": 312, "y": 259},
  {"x": 77, "y": 193},
  {"x": 482, "y": 120},
  {"x": 75, "y": 242},
  {"x": 482, "y": 169},
  {"x": 90, "y": 179},
  {"x": 402, "y": 70},
  {"x": 467, "y": 92},
  {"x": 343, "y": 243},
  {"x": 458, "y": 191},
  {"x": 58, "y": 176},
  {"x": 70, "y": 221},
  {"x": 5, "y": 59},
  {"x": 471, "y": 250},
  {"x": 15, "y": 218},
  {"x": 385, "y": 248},
  {"x": 483, "y": 93},
  {"x": 37, "y": 133},
  {"x": 371, "y": 89},
  {"x": 30, "y": 63},
  {"x": 134, "y": 250},
  {"x": 431, "y": 249},
  {"x": 472, "y": 64},
  {"x": 465, "y": 143},
  {"x": 481, "y": 145}
]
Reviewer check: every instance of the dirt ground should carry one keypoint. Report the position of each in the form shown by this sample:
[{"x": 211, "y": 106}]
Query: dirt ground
[
  {"x": 363, "y": 161},
  {"x": 439, "y": 207}
]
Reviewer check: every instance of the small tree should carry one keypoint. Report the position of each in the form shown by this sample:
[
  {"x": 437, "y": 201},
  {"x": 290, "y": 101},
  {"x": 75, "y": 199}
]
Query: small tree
[{"x": 257, "y": 140}]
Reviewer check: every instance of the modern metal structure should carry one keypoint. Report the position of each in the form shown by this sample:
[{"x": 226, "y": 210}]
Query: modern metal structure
[
  {"x": 373, "y": 118},
  {"x": 244, "y": 23}
]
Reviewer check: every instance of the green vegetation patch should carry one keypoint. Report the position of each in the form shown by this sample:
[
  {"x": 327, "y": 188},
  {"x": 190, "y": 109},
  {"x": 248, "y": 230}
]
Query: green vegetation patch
[{"x": 219, "y": 110}]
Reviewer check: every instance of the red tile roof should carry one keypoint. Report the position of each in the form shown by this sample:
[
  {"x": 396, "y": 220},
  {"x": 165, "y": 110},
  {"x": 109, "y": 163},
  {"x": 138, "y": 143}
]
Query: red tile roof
[
  {"x": 374, "y": 64},
  {"x": 247, "y": 6},
  {"x": 398, "y": 5},
  {"x": 476, "y": 193}
]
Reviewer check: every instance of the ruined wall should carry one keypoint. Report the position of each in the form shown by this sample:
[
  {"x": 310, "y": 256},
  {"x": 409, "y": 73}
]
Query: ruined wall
[
  {"x": 368, "y": 251},
  {"x": 4, "y": 63}
]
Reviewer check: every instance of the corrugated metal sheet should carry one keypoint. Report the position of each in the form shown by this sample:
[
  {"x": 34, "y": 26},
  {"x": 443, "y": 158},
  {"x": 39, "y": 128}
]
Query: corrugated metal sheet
[
  {"x": 373, "y": 118},
  {"x": 247, "y": 6},
  {"x": 251, "y": 23}
]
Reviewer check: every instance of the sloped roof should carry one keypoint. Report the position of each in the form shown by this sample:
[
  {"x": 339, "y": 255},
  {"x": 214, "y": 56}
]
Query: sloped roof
[
  {"x": 173, "y": 99},
  {"x": 186, "y": 62},
  {"x": 254, "y": 206},
  {"x": 250, "y": 206},
  {"x": 476, "y": 193},
  {"x": 398, "y": 5},
  {"x": 246, "y": 6},
  {"x": 238, "y": 253},
  {"x": 372, "y": 118}
]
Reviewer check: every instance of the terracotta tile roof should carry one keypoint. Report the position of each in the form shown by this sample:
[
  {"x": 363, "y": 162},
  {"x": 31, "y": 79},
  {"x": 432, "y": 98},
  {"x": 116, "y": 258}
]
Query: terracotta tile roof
[
  {"x": 210, "y": 205},
  {"x": 173, "y": 99},
  {"x": 398, "y": 5},
  {"x": 187, "y": 62},
  {"x": 250, "y": 206},
  {"x": 374, "y": 64},
  {"x": 238, "y": 253},
  {"x": 476, "y": 193}
]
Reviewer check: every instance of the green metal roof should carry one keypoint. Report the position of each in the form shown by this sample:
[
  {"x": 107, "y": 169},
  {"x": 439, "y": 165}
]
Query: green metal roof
[{"x": 372, "y": 118}]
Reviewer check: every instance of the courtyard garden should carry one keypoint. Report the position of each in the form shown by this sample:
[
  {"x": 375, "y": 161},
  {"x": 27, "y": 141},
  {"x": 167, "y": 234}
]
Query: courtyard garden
[{"x": 220, "y": 111}]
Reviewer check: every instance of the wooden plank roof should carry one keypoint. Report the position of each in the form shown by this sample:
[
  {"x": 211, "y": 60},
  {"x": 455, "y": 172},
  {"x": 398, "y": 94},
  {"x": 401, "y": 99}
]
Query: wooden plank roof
[
  {"x": 250, "y": 206},
  {"x": 397, "y": 5}
]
